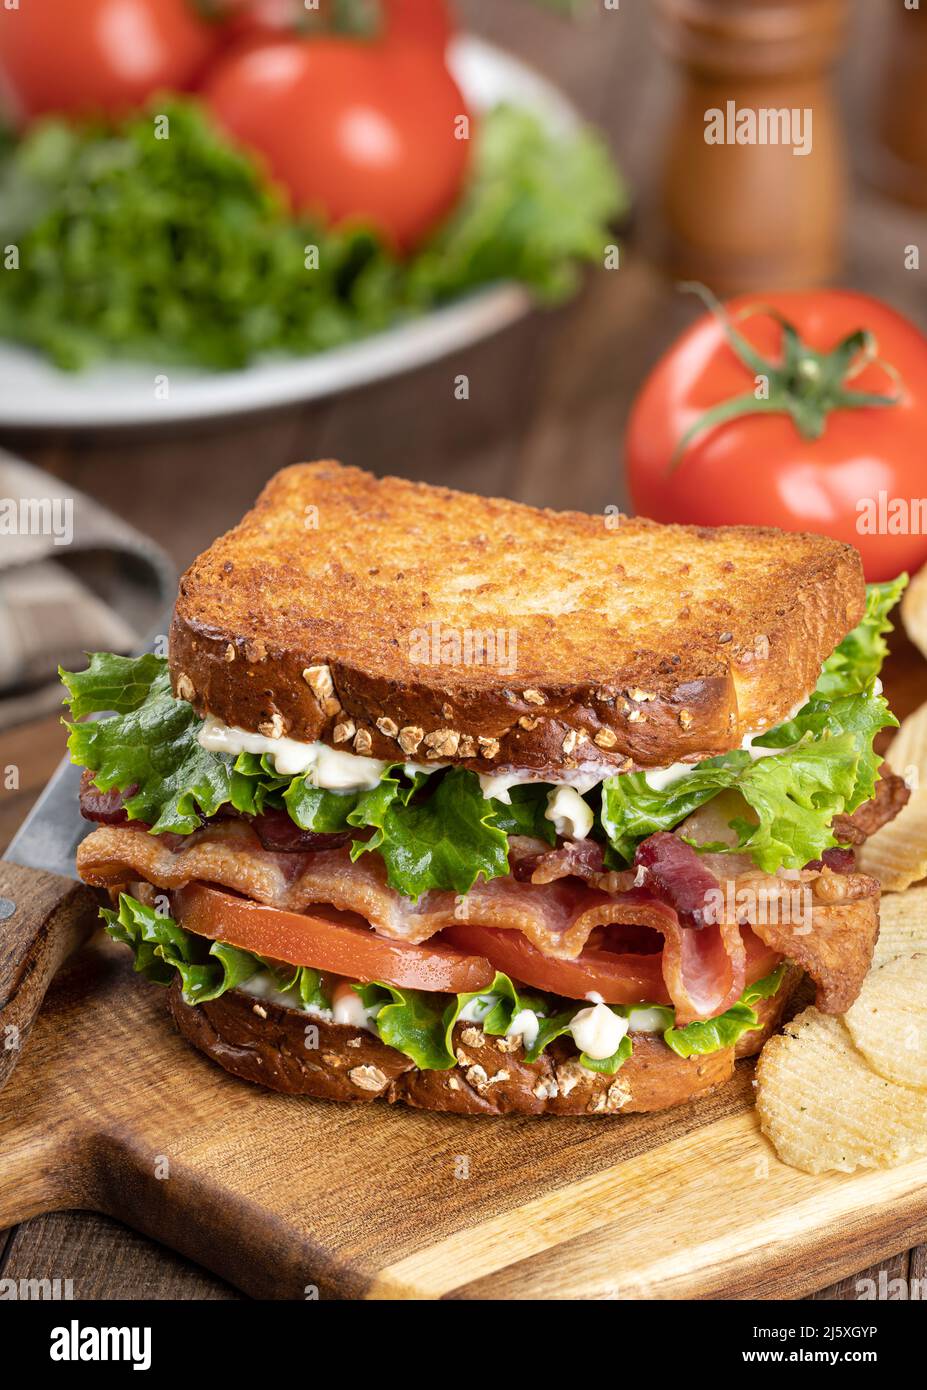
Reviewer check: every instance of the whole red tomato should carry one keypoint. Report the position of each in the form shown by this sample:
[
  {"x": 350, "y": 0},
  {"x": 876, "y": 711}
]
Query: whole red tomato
[
  {"x": 98, "y": 55},
  {"x": 422, "y": 21},
  {"x": 354, "y": 131},
  {"x": 248, "y": 18},
  {"x": 837, "y": 448}
]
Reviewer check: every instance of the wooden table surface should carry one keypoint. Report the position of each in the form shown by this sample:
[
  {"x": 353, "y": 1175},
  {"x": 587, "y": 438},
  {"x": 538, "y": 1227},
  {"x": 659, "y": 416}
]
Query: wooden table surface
[{"x": 543, "y": 423}]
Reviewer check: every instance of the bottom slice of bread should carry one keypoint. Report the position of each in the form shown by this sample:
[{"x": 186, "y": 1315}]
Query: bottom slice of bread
[{"x": 265, "y": 1043}]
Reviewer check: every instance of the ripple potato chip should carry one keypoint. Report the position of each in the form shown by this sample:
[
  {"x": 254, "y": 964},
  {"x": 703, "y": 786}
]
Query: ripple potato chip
[
  {"x": 888, "y": 1022},
  {"x": 914, "y": 610},
  {"x": 825, "y": 1110},
  {"x": 897, "y": 853},
  {"x": 902, "y": 925}
]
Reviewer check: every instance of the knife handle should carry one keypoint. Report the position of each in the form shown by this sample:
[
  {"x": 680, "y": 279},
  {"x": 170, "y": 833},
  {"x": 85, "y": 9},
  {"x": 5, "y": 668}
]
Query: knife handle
[{"x": 43, "y": 918}]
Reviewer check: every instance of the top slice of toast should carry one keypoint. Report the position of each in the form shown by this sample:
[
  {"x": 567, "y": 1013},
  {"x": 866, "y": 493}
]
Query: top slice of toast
[{"x": 403, "y": 621}]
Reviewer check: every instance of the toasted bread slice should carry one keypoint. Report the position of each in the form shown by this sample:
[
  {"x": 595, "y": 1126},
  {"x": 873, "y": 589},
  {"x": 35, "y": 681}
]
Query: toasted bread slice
[
  {"x": 398, "y": 620},
  {"x": 266, "y": 1044}
]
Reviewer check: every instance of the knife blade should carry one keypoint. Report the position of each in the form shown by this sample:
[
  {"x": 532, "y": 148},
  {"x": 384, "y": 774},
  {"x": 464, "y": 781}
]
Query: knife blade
[
  {"x": 44, "y": 914},
  {"x": 49, "y": 836}
]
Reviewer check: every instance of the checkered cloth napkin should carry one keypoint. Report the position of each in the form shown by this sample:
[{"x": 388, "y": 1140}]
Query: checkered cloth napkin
[{"x": 73, "y": 579}]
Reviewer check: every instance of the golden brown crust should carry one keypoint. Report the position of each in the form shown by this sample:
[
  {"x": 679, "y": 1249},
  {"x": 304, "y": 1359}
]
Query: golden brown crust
[
  {"x": 315, "y": 618},
  {"x": 289, "y": 1051}
]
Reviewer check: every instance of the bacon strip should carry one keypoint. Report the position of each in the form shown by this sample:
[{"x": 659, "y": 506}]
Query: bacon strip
[
  {"x": 891, "y": 794},
  {"x": 107, "y": 808},
  {"x": 703, "y": 969},
  {"x": 535, "y": 862},
  {"x": 835, "y": 946},
  {"x": 557, "y": 918},
  {"x": 675, "y": 874}
]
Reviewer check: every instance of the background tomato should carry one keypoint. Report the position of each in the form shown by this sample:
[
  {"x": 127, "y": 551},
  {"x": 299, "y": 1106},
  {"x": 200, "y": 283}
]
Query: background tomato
[
  {"x": 759, "y": 469},
  {"x": 98, "y": 55},
  {"x": 423, "y": 21},
  {"x": 352, "y": 130},
  {"x": 272, "y": 17}
]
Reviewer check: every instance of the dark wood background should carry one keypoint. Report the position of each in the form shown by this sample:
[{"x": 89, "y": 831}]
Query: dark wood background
[{"x": 548, "y": 399}]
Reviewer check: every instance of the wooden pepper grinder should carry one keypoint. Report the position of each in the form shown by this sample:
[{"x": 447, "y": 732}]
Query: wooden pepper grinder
[
  {"x": 752, "y": 187},
  {"x": 898, "y": 162}
]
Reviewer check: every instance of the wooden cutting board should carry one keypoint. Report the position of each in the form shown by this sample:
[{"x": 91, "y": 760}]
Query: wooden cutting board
[{"x": 109, "y": 1109}]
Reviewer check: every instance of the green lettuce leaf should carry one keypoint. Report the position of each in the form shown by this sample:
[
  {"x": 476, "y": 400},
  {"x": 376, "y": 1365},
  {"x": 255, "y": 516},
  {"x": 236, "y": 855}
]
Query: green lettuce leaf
[
  {"x": 525, "y": 815},
  {"x": 207, "y": 968},
  {"x": 503, "y": 1002},
  {"x": 150, "y": 744},
  {"x": 609, "y": 1065},
  {"x": 421, "y": 1025},
  {"x": 536, "y": 208},
  {"x": 117, "y": 683},
  {"x": 300, "y": 980},
  {"x": 508, "y": 1003},
  {"x": 557, "y": 1024},
  {"x": 552, "y": 1026},
  {"x": 412, "y": 1021},
  {"x": 794, "y": 795},
  {"x": 446, "y": 841},
  {"x": 631, "y": 809},
  {"x": 160, "y": 946},
  {"x": 313, "y": 808},
  {"x": 860, "y": 715},
  {"x": 179, "y": 250},
  {"x": 697, "y": 1039},
  {"x": 856, "y": 662},
  {"x": 255, "y": 785},
  {"x": 826, "y": 766}
]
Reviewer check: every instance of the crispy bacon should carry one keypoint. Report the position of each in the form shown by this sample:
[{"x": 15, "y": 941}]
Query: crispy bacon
[
  {"x": 703, "y": 968},
  {"x": 835, "y": 946},
  {"x": 675, "y": 874},
  {"x": 107, "y": 808},
  {"x": 842, "y": 861},
  {"x": 557, "y": 917},
  {"x": 278, "y": 833},
  {"x": 891, "y": 794},
  {"x": 533, "y": 861},
  {"x": 703, "y": 976}
]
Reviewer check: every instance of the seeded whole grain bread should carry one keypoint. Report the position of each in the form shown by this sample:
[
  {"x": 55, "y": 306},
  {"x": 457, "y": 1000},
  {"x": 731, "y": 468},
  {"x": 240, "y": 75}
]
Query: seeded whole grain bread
[
  {"x": 263, "y": 1042},
  {"x": 362, "y": 612}
]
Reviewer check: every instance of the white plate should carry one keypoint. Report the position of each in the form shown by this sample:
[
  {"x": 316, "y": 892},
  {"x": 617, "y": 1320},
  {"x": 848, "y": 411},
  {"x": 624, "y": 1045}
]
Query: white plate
[{"x": 35, "y": 393}]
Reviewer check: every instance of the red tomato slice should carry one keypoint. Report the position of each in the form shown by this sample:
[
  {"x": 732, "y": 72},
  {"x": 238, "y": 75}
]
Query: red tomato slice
[
  {"x": 619, "y": 979},
  {"x": 337, "y": 942}
]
